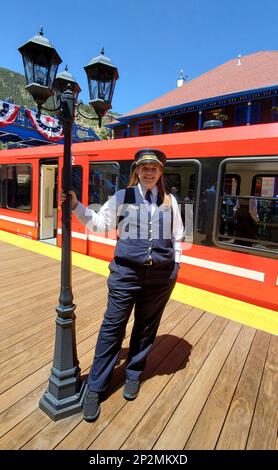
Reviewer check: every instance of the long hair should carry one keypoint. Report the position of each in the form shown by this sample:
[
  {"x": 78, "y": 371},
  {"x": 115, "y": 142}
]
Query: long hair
[{"x": 165, "y": 198}]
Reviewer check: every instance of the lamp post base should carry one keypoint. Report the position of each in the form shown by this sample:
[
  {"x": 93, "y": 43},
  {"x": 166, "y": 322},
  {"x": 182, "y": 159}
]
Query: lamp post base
[{"x": 59, "y": 409}]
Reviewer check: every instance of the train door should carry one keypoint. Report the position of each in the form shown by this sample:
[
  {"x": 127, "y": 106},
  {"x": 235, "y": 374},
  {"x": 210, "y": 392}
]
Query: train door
[{"x": 48, "y": 203}]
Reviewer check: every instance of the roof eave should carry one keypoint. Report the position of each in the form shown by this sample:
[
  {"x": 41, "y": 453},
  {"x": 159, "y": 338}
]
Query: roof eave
[{"x": 126, "y": 119}]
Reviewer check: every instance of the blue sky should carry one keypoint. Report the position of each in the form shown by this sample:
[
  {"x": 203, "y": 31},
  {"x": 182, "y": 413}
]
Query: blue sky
[{"x": 148, "y": 40}]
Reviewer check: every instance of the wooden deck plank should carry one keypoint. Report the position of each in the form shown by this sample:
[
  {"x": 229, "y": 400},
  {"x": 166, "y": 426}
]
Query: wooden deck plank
[
  {"x": 209, "y": 424},
  {"x": 24, "y": 430},
  {"x": 31, "y": 334},
  {"x": 202, "y": 338},
  {"x": 238, "y": 421},
  {"x": 20, "y": 409},
  {"x": 86, "y": 328},
  {"x": 48, "y": 296},
  {"x": 32, "y": 311},
  {"x": 179, "y": 427},
  {"x": 263, "y": 433},
  {"x": 28, "y": 322}
]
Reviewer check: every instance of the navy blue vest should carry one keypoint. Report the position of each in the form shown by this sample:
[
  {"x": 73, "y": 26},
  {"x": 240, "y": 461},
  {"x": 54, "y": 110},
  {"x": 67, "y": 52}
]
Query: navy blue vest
[{"x": 142, "y": 236}]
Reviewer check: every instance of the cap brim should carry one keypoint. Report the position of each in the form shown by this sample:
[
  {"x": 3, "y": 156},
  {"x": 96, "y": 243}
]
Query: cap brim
[{"x": 148, "y": 159}]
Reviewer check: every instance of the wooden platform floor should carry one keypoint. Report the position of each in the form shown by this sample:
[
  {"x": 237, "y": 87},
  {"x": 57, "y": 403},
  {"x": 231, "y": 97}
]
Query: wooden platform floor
[{"x": 210, "y": 383}]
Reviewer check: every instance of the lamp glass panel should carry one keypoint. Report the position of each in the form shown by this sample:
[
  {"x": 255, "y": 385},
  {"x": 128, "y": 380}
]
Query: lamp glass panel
[
  {"x": 40, "y": 74},
  {"x": 104, "y": 90},
  {"x": 93, "y": 89},
  {"x": 41, "y": 70},
  {"x": 101, "y": 82},
  {"x": 29, "y": 70},
  {"x": 112, "y": 90},
  {"x": 52, "y": 74}
]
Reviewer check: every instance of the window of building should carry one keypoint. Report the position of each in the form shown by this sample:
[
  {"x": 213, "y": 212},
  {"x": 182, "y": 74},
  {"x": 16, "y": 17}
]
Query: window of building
[
  {"x": 240, "y": 115},
  {"x": 77, "y": 178},
  {"x": 274, "y": 109},
  {"x": 220, "y": 114},
  {"x": 146, "y": 128},
  {"x": 248, "y": 206},
  {"x": 103, "y": 181},
  {"x": 19, "y": 187},
  {"x": 177, "y": 125},
  {"x": 256, "y": 112}
]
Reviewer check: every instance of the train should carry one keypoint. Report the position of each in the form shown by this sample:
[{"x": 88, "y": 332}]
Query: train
[{"x": 229, "y": 176}]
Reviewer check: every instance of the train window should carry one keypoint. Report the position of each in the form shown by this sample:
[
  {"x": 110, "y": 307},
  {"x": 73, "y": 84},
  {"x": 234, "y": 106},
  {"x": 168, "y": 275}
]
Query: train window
[
  {"x": 126, "y": 168},
  {"x": 1, "y": 185},
  {"x": 265, "y": 185},
  {"x": 19, "y": 187},
  {"x": 77, "y": 177},
  {"x": 180, "y": 178},
  {"x": 248, "y": 207},
  {"x": 103, "y": 181},
  {"x": 173, "y": 184}
]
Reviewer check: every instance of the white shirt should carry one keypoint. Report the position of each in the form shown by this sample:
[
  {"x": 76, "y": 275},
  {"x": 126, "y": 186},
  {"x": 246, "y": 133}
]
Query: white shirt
[{"x": 106, "y": 218}]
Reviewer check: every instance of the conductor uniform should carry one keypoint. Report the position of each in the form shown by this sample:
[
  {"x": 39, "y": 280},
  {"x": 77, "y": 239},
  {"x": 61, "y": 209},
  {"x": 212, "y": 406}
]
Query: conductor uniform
[{"x": 142, "y": 274}]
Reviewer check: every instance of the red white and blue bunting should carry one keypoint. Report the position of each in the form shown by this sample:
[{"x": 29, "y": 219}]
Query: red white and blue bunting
[
  {"x": 8, "y": 113},
  {"x": 47, "y": 126}
]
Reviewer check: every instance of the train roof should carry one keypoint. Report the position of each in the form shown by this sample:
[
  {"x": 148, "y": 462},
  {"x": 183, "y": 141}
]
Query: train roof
[{"x": 260, "y": 139}]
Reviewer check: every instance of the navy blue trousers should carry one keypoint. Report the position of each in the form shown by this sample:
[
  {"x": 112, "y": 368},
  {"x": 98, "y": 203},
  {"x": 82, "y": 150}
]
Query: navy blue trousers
[{"x": 148, "y": 288}]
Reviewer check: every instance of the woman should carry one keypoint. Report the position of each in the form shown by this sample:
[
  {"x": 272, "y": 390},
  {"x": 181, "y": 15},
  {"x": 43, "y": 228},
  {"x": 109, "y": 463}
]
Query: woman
[{"x": 142, "y": 274}]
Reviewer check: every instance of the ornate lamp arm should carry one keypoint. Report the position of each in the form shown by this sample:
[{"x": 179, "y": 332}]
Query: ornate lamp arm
[{"x": 91, "y": 118}]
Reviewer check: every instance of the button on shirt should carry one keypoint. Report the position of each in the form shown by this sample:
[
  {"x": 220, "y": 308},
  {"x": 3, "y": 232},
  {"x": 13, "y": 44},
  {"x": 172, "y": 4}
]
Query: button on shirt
[{"x": 106, "y": 217}]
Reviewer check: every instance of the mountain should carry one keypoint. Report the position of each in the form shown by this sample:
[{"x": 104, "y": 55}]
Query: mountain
[{"x": 12, "y": 86}]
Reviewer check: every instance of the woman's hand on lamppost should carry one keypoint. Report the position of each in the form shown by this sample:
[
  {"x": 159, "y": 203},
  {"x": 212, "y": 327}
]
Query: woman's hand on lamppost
[{"x": 74, "y": 200}]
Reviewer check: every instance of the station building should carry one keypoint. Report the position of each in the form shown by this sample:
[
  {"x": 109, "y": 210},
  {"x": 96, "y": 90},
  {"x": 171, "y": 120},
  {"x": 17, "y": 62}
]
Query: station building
[{"x": 242, "y": 91}]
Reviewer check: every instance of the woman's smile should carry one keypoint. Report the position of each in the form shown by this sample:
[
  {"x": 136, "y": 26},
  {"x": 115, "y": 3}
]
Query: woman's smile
[{"x": 149, "y": 174}]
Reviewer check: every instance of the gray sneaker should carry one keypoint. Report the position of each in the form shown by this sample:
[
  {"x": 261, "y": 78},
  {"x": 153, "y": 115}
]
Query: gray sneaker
[
  {"x": 91, "y": 406},
  {"x": 131, "y": 389}
]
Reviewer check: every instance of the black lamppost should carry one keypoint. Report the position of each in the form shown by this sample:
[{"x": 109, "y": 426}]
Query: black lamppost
[{"x": 65, "y": 391}]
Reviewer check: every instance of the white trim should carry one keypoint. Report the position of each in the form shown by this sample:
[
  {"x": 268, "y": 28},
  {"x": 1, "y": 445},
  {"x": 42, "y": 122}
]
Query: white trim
[
  {"x": 202, "y": 263},
  {"x": 105, "y": 241},
  {"x": 81, "y": 236},
  {"x": 18, "y": 221},
  {"x": 277, "y": 281},
  {"x": 91, "y": 238},
  {"x": 224, "y": 268}
]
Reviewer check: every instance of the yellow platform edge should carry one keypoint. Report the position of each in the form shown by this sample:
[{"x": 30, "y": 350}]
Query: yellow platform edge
[{"x": 248, "y": 314}]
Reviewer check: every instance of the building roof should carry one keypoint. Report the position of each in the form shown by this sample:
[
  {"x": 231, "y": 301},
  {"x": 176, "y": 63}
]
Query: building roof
[{"x": 250, "y": 72}]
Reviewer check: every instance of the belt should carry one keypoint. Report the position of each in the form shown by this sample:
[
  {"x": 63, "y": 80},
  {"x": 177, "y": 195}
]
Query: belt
[{"x": 148, "y": 262}]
